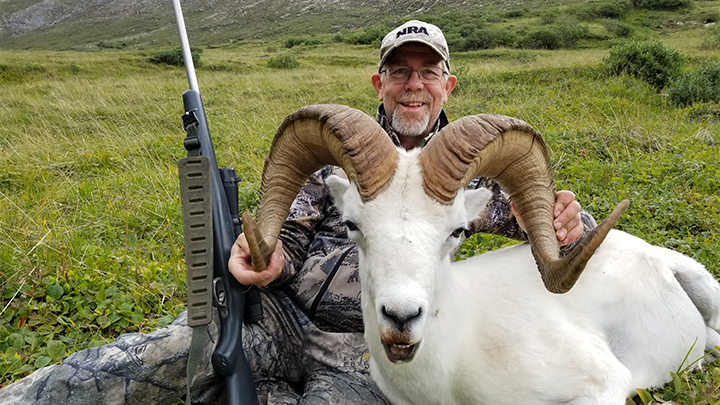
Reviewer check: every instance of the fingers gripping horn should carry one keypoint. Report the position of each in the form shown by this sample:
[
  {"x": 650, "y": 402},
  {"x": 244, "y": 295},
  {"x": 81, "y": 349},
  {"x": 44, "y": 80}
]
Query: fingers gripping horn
[
  {"x": 514, "y": 154},
  {"x": 308, "y": 139}
]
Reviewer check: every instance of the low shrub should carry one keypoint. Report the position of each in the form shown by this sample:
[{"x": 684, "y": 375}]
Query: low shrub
[
  {"x": 285, "y": 61},
  {"x": 650, "y": 61},
  {"x": 661, "y": 4},
  {"x": 368, "y": 36},
  {"x": 545, "y": 38},
  {"x": 564, "y": 33},
  {"x": 583, "y": 12},
  {"x": 571, "y": 33},
  {"x": 615, "y": 9},
  {"x": 111, "y": 45},
  {"x": 548, "y": 18},
  {"x": 494, "y": 16},
  {"x": 623, "y": 30},
  {"x": 467, "y": 30},
  {"x": 699, "y": 86},
  {"x": 712, "y": 39},
  {"x": 480, "y": 39},
  {"x": 515, "y": 13},
  {"x": 174, "y": 57},
  {"x": 483, "y": 38},
  {"x": 619, "y": 28},
  {"x": 456, "y": 43},
  {"x": 507, "y": 38},
  {"x": 292, "y": 41}
]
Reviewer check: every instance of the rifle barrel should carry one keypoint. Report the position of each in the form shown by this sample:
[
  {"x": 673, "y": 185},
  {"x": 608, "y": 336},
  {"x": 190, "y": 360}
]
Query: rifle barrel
[
  {"x": 229, "y": 359},
  {"x": 185, "y": 45}
]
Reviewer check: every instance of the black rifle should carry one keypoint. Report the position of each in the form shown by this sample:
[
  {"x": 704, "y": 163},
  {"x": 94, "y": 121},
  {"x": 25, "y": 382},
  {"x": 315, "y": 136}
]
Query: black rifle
[{"x": 211, "y": 224}]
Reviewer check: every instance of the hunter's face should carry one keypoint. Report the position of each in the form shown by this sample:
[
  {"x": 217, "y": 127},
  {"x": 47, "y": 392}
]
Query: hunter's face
[{"x": 413, "y": 105}]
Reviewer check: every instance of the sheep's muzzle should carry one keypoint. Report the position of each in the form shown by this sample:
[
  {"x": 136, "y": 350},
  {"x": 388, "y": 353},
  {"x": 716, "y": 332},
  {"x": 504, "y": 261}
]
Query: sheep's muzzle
[{"x": 399, "y": 352}]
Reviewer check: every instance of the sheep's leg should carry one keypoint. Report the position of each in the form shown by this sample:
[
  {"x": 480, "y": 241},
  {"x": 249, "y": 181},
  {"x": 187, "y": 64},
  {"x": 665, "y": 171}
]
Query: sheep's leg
[
  {"x": 704, "y": 292},
  {"x": 699, "y": 285},
  {"x": 614, "y": 392},
  {"x": 712, "y": 345}
]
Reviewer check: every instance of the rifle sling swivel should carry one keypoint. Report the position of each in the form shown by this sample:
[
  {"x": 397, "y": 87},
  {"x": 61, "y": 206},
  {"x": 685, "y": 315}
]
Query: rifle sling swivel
[{"x": 191, "y": 142}]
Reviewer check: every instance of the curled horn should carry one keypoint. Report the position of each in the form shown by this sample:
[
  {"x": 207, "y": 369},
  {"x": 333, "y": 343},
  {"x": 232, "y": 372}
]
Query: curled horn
[
  {"x": 514, "y": 154},
  {"x": 308, "y": 139}
]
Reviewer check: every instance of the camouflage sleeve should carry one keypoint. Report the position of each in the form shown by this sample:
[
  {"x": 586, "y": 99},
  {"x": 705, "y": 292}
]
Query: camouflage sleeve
[
  {"x": 499, "y": 219},
  {"x": 307, "y": 211},
  {"x": 135, "y": 369}
]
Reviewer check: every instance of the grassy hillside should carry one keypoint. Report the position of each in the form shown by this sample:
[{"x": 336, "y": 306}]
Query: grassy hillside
[
  {"x": 90, "y": 228},
  {"x": 132, "y": 24},
  {"x": 150, "y": 24}
]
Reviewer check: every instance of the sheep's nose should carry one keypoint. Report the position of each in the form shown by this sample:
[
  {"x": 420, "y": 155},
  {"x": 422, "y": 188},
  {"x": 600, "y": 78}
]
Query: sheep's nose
[{"x": 401, "y": 317}]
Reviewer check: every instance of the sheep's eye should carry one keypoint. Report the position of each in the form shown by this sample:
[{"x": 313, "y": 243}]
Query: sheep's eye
[
  {"x": 350, "y": 225},
  {"x": 458, "y": 232}
]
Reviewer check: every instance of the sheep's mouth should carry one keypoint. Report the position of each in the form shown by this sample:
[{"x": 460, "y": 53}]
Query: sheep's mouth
[{"x": 399, "y": 352}]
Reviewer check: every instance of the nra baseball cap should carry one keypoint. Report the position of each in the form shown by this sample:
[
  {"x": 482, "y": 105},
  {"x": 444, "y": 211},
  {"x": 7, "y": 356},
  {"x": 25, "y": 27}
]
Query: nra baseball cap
[{"x": 415, "y": 31}]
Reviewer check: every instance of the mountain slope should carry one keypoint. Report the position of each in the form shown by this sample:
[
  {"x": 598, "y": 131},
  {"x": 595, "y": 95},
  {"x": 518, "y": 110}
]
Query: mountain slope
[{"x": 83, "y": 24}]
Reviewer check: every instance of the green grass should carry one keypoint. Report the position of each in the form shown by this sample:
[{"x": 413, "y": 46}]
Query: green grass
[
  {"x": 90, "y": 227},
  {"x": 614, "y": 138}
]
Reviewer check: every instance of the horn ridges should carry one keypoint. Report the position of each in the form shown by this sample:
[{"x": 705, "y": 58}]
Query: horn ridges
[
  {"x": 513, "y": 154},
  {"x": 315, "y": 136}
]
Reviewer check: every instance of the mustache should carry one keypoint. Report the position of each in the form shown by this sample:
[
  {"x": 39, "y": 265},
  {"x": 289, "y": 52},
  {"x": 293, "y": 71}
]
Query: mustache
[{"x": 419, "y": 96}]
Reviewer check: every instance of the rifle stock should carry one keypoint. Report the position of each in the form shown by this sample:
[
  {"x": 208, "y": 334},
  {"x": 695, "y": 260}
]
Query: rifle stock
[
  {"x": 229, "y": 358},
  {"x": 229, "y": 296}
]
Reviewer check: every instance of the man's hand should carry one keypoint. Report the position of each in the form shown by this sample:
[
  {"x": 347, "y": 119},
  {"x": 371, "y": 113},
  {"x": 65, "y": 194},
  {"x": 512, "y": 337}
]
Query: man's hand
[
  {"x": 568, "y": 224},
  {"x": 241, "y": 267}
]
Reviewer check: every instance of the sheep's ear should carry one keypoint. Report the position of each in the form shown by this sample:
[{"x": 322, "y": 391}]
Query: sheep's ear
[
  {"x": 475, "y": 202},
  {"x": 338, "y": 186}
]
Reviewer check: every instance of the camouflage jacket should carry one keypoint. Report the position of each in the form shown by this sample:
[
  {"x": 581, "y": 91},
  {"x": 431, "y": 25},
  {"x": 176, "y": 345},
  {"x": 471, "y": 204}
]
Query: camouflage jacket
[{"x": 321, "y": 264}]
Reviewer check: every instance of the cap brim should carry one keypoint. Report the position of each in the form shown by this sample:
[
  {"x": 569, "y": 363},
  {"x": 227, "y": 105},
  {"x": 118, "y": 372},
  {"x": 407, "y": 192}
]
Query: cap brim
[{"x": 409, "y": 40}]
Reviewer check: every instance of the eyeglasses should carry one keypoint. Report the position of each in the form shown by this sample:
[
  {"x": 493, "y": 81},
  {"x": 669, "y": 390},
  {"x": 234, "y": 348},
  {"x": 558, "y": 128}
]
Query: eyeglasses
[{"x": 401, "y": 74}]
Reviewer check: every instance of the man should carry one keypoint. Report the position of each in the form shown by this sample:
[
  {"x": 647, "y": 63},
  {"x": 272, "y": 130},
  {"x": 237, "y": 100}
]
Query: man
[
  {"x": 314, "y": 267},
  {"x": 309, "y": 349}
]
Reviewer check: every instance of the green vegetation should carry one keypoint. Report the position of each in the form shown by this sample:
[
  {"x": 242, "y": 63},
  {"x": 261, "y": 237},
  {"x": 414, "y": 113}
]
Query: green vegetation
[
  {"x": 650, "y": 61},
  {"x": 285, "y": 61},
  {"x": 702, "y": 85},
  {"x": 712, "y": 41},
  {"x": 368, "y": 36},
  {"x": 90, "y": 227},
  {"x": 291, "y": 42},
  {"x": 174, "y": 57},
  {"x": 661, "y": 4}
]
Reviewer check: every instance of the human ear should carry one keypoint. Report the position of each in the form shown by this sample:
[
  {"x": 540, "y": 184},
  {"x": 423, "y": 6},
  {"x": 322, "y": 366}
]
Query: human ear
[
  {"x": 450, "y": 83},
  {"x": 377, "y": 85}
]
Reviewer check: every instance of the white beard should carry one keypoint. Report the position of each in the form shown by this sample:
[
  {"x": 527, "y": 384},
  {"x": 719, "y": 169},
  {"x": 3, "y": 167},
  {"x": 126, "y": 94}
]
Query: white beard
[{"x": 410, "y": 126}]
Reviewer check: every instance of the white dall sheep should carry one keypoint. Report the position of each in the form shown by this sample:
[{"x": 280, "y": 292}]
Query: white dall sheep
[{"x": 488, "y": 330}]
